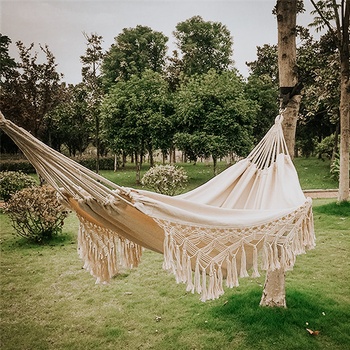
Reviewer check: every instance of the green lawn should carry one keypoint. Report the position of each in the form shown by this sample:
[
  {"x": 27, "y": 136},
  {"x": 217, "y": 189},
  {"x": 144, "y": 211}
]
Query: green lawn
[
  {"x": 49, "y": 302},
  {"x": 313, "y": 174}
]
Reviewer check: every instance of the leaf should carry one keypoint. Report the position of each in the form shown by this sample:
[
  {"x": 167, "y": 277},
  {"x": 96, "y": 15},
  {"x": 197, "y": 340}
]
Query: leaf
[
  {"x": 225, "y": 302},
  {"x": 312, "y": 332}
]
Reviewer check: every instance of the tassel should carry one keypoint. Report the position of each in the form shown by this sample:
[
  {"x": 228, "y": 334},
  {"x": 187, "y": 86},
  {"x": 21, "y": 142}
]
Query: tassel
[
  {"x": 166, "y": 262},
  {"x": 255, "y": 263},
  {"x": 204, "y": 286},
  {"x": 235, "y": 282},
  {"x": 211, "y": 284},
  {"x": 265, "y": 264},
  {"x": 220, "y": 278},
  {"x": 184, "y": 265},
  {"x": 276, "y": 260},
  {"x": 229, "y": 282},
  {"x": 243, "y": 272},
  {"x": 271, "y": 260},
  {"x": 283, "y": 264},
  {"x": 197, "y": 278},
  {"x": 178, "y": 274},
  {"x": 190, "y": 286}
]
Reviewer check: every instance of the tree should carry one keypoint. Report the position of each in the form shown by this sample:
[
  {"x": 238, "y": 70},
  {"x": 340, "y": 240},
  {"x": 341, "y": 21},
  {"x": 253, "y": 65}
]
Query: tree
[
  {"x": 92, "y": 78},
  {"x": 134, "y": 51},
  {"x": 286, "y": 11},
  {"x": 328, "y": 11},
  {"x": 203, "y": 45},
  {"x": 31, "y": 89},
  {"x": 70, "y": 122},
  {"x": 131, "y": 112},
  {"x": 214, "y": 116}
]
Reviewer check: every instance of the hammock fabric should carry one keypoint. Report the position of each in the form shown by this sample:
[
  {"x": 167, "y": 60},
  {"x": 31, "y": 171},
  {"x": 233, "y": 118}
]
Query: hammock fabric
[{"x": 215, "y": 231}]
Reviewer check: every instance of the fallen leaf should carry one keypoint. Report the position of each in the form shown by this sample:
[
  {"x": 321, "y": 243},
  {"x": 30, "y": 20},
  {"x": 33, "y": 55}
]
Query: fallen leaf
[
  {"x": 225, "y": 302},
  {"x": 312, "y": 332},
  {"x": 128, "y": 293}
]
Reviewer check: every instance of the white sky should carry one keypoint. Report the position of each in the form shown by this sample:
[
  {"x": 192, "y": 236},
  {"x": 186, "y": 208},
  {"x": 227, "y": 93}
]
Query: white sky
[{"x": 60, "y": 23}]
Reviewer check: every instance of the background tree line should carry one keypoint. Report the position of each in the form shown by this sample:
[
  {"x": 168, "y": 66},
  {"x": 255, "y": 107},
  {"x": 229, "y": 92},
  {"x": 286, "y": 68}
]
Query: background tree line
[{"x": 134, "y": 99}]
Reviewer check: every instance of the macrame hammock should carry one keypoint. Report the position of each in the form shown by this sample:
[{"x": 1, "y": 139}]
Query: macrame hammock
[{"x": 212, "y": 233}]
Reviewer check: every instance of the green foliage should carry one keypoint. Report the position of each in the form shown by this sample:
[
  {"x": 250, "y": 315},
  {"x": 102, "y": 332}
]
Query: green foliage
[
  {"x": 105, "y": 163},
  {"x": 12, "y": 182},
  {"x": 36, "y": 213},
  {"x": 215, "y": 108},
  {"x": 165, "y": 179},
  {"x": 134, "y": 51},
  {"x": 23, "y": 166},
  {"x": 325, "y": 147},
  {"x": 203, "y": 45},
  {"x": 335, "y": 167},
  {"x": 134, "y": 113},
  {"x": 69, "y": 121}
]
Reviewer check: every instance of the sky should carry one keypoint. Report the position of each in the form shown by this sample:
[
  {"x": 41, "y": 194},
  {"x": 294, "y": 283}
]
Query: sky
[{"x": 60, "y": 24}]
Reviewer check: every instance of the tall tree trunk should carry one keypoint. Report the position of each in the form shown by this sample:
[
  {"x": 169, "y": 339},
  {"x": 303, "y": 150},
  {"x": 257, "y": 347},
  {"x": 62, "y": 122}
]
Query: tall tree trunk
[
  {"x": 344, "y": 107},
  {"x": 138, "y": 168},
  {"x": 336, "y": 138},
  {"x": 97, "y": 139},
  {"x": 344, "y": 140},
  {"x": 274, "y": 288}
]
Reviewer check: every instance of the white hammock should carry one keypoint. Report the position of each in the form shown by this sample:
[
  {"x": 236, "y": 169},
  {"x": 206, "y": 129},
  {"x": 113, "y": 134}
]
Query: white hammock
[{"x": 217, "y": 229}]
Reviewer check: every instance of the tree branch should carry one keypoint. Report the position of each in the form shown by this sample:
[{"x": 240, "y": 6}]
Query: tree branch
[{"x": 325, "y": 20}]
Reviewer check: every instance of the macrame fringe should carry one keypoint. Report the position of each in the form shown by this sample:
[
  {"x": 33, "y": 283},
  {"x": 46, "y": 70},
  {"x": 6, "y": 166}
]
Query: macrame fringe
[
  {"x": 280, "y": 246},
  {"x": 98, "y": 248}
]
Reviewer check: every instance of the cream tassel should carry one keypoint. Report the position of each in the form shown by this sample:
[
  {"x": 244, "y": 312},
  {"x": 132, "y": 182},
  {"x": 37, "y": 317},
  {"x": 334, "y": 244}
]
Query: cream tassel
[
  {"x": 197, "y": 278},
  {"x": 235, "y": 282},
  {"x": 204, "y": 286},
  {"x": 243, "y": 272},
  {"x": 255, "y": 263},
  {"x": 229, "y": 282}
]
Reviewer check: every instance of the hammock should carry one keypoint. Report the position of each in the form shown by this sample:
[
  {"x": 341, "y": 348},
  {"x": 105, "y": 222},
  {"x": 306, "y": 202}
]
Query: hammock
[{"x": 212, "y": 233}]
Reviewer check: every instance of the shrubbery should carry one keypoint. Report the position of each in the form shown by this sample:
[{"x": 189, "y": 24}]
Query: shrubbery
[
  {"x": 12, "y": 181},
  {"x": 23, "y": 166},
  {"x": 36, "y": 213},
  {"x": 165, "y": 179}
]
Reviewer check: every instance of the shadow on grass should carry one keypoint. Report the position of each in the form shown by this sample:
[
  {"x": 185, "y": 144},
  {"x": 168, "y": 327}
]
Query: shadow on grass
[
  {"x": 268, "y": 327},
  {"x": 334, "y": 208}
]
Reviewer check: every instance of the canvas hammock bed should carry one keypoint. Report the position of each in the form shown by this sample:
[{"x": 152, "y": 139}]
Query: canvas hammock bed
[{"x": 212, "y": 233}]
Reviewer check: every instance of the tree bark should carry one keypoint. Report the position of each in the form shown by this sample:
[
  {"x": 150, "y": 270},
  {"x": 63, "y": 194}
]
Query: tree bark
[
  {"x": 274, "y": 288},
  {"x": 343, "y": 194},
  {"x": 287, "y": 66}
]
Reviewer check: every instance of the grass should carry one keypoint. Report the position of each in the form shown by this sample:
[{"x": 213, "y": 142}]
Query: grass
[{"x": 49, "y": 302}]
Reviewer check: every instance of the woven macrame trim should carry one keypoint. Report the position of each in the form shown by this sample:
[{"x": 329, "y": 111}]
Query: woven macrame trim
[
  {"x": 100, "y": 247},
  {"x": 209, "y": 251}
]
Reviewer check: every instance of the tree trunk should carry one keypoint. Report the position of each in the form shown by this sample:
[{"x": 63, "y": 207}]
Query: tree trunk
[
  {"x": 97, "y": 139},
  {"x": 336, "y": 138},
  {"x": 274, "y": 288},
  {"x": 287, "y": 66},
  {"x": 344, "y": 107},
  {"x": 215, "y": 166},
  {"x": 138, "y": 168},
  {"x": 344, "y": 140}
]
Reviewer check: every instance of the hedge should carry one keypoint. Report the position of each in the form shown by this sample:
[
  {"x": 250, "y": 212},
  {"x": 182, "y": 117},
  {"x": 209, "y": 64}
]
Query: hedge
[{"x": 106, "y": 163}]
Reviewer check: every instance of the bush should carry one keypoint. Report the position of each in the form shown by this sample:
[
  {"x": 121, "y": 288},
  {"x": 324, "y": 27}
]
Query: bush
[
  {"x": 23, "y": 166},
  {"x": 13, "y": 181},
  {"x": 105, "y": 163},
  {"x": 36, "y": 213},
  {"x": 325, "y": 147},
  {"x": 165, "y": 179}
]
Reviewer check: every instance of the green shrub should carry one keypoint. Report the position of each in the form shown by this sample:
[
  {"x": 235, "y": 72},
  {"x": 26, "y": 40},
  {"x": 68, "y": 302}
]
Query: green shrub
[
  {"x": 23, "y": 166},
  {"x": 165, "y": 179},
  {"x": 106, "y": 163},
  {"x": 36, "y": 213},
  {"x": 325, "y": 147},
  {"x": 13, "y": 181}
]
